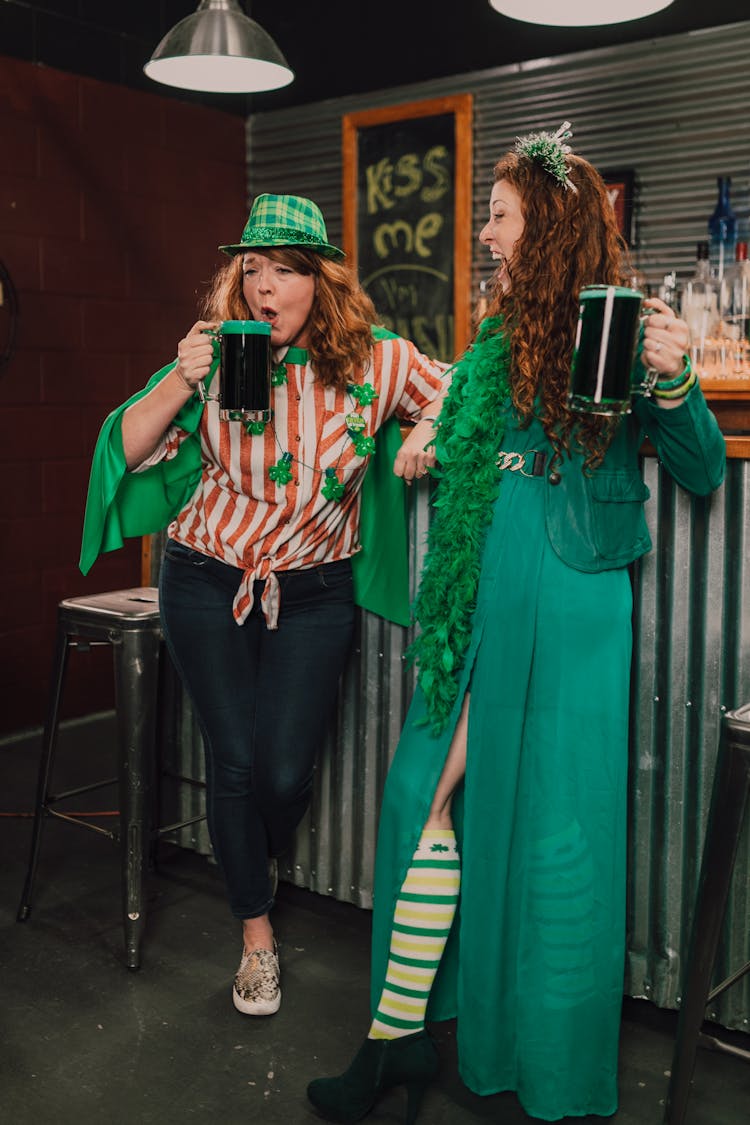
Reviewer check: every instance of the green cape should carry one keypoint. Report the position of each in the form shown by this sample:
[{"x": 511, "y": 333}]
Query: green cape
[{"x": 121, "y": 504}]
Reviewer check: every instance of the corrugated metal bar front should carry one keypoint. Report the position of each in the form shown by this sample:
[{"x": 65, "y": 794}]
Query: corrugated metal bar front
[{"x": 691, "y": 664}]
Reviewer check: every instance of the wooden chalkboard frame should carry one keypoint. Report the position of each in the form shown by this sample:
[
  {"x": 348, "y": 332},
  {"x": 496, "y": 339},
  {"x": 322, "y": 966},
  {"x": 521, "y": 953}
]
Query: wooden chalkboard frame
[{"x": 461, "y": 106}]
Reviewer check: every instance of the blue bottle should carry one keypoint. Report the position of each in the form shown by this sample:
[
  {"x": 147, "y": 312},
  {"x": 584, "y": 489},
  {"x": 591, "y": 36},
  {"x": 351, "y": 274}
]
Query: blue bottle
[{"x": 722, "y": 230}]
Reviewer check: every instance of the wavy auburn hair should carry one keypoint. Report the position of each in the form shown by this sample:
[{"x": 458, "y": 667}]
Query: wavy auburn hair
[
  {"x": 341, "y": 319},
  {"x": 570, "y": 239}
]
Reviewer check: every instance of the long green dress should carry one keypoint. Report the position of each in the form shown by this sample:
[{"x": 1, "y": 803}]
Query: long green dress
[{"x": 534, "y": 964}]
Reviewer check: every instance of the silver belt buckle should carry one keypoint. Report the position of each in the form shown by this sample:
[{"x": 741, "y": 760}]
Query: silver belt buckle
[{"x": 516, "y": 462}]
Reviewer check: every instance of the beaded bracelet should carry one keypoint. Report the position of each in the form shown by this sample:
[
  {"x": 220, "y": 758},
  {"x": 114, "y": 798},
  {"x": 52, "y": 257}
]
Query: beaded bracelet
[
  {"x": 678, "y": 380},
  {"x": 680, "y": 391}
]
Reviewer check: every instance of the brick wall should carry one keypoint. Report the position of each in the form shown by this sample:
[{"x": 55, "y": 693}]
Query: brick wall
[{"x": 112, "y": 204}]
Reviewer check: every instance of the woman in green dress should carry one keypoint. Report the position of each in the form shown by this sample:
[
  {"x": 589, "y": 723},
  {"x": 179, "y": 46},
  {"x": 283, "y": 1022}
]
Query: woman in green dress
[{"x": 500, "y": 869}]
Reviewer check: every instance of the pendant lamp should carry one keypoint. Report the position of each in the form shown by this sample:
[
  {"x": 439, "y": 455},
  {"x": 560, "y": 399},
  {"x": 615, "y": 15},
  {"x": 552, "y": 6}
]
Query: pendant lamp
[
  {"x": 221, "y": 50},
  {"x": 578, "y": 13}
]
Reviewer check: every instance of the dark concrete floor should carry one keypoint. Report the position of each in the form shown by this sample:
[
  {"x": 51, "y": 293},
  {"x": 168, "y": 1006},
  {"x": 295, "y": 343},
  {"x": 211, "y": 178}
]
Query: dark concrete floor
[{"x": 84, "y": 1040}]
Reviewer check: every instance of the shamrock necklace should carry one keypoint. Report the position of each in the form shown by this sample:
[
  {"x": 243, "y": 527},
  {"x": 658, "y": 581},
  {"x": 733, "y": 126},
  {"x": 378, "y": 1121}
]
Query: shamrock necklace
[{"x": 362, "y": 395}]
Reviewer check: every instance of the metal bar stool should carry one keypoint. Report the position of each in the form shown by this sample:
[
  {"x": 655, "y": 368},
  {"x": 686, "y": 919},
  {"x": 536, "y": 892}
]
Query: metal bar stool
[
  {"x": 729, "y": 800},
  {"x": 128, "y": 621}
]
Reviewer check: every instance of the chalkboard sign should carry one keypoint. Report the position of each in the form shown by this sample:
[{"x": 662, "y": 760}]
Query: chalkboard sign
[{"x": 407, "y": 217}]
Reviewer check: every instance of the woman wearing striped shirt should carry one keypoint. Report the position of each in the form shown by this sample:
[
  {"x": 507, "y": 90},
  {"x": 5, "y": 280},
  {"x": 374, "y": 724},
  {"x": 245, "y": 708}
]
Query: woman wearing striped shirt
[{"x": 256, "y": 585}]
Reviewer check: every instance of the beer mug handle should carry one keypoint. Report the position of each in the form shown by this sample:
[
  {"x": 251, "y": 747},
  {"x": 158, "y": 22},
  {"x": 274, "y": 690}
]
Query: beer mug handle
[
  {"x": 645, "y": 385},
  {"x": 203, "y": 394}
]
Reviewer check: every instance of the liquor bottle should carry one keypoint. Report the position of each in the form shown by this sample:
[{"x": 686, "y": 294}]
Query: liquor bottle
[
  {"x": 736, "y": 306},
  {"x": 700, "y": 305},
  {"x": 722, "y": 229},
  {"x": 636, "y": 280},
  {"x": 668, "y": 290}
]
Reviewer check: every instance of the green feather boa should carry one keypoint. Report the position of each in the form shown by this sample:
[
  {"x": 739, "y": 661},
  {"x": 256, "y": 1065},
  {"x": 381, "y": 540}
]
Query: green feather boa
[{"x": 472, "y": 424}]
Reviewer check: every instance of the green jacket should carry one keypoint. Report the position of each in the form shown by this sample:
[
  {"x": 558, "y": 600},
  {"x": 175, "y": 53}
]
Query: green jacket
[
  {"x": 121, "y": 504},
  {"x": 596, "y": 521}
]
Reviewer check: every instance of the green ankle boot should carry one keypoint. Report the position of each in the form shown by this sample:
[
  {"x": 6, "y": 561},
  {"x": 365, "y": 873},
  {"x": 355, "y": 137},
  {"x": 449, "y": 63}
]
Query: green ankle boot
[{"x": 410, "y": 1061}]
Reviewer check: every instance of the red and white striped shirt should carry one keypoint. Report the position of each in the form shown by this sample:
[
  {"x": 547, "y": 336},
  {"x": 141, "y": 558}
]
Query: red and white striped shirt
[{"x": 239, "y": 515}]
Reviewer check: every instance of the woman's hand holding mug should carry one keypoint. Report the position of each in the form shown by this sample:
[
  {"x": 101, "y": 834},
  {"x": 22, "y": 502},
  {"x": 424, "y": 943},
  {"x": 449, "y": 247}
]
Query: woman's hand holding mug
[
  {"x": 666, "y": 338},
  {"x": 195, "y": 354}
]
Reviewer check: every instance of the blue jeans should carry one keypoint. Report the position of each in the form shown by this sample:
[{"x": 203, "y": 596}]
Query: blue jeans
[{"x": 262, "y": 698}]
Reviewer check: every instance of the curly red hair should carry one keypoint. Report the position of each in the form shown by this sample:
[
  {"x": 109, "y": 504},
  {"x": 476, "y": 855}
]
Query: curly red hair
[
  {"x": 570, "y": 239},
  {"x": 340, "y": 327}
]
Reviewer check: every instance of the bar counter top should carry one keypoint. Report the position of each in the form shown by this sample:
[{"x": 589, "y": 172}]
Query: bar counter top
[{"x": 729, "y": 398}]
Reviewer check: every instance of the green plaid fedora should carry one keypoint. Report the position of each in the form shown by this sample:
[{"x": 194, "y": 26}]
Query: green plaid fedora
[{"x": 284, "y": 220}]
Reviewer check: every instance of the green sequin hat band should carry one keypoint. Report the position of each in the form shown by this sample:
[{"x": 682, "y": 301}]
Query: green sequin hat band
[
  {"x": 284, "y": 220},
  {"x": 549, "y": 150}
]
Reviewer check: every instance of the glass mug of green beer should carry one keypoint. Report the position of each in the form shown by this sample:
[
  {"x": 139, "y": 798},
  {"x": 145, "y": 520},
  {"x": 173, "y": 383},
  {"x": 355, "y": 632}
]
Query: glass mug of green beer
[
  {"x": 244, "y": 370},
  {"x": 606, "y": 371}
]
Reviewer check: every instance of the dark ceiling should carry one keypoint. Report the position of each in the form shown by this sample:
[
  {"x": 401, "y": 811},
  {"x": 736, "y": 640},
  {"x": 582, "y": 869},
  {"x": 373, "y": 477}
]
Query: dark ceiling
[{"x": 335, "y": 47}]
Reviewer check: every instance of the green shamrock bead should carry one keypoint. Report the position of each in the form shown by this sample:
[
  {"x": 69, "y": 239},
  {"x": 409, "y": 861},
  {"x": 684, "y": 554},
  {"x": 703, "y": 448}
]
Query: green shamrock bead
[
  {"x": 255, "y": 428},
  {"x": 333, "y": 489},
  {"x": 364, "y": 393},
  {"x": 281, "y": 472},
  {"x": 278, "y": 375},
  {"x": 364, "y": 446}
]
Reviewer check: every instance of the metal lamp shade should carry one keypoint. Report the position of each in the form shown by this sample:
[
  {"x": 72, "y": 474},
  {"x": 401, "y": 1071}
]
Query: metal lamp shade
[
  {"x": 577, "y": 13},
  {"x": 219, "y": 49}
]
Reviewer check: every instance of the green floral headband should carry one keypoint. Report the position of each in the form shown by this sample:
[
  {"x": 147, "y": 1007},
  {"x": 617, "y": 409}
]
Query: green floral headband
[{"x": 548, "y": 150}]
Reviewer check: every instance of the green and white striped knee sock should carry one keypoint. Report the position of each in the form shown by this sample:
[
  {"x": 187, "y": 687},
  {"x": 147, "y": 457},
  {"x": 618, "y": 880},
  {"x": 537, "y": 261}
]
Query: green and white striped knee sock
[{"x": 422, "y": 921}]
